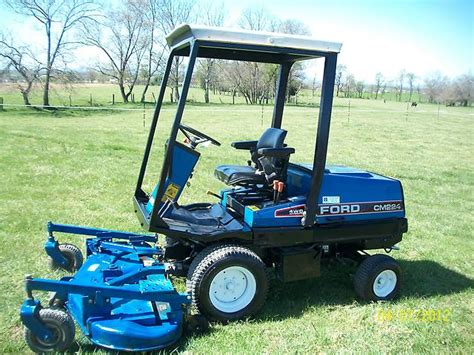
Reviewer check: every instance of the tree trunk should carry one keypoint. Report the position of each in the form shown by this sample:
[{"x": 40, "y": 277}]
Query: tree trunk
[
  {"x": 176, "y": 80},
  {"x": 145, "y": 89},
  {"x": 206, "y": 91},
  {"x": 46, "y": 88},
  {"x": 123, "y": 93},
  {"x": 26, "y": 99}
]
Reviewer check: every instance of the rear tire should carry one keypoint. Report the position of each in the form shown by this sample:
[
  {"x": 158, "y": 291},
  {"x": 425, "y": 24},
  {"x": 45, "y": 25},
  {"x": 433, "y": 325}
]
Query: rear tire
[
  {"x": 227, "y": 282},
  {"x": 72, "y": 254},
  {"x": 60, "y": 324},
  {"x": 377, "y": 278}
]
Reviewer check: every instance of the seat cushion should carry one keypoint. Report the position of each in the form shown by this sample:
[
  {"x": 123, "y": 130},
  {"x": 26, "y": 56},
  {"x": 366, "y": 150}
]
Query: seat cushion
[{"x": 237, "y": 174}]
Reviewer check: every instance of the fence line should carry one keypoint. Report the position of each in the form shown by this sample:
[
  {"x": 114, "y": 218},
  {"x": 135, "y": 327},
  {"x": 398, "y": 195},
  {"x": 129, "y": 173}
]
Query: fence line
[{"x": 258, "y": 110}]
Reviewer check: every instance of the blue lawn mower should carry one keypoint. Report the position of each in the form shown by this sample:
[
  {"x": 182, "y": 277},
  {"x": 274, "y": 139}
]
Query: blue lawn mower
[{"x": 274, "y": 215}]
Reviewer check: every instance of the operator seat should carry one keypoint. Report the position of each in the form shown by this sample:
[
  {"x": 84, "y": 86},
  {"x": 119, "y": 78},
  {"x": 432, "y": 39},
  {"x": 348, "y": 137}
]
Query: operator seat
[{"x": 269, "y": 156}]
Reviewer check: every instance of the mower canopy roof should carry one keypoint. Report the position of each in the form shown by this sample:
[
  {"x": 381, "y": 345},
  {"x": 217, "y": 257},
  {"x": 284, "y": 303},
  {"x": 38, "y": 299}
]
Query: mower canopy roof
[{"x": 237, "y": 44}]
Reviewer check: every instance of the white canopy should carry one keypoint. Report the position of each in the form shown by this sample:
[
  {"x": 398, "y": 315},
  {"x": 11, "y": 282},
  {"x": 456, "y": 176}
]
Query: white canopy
[{"x": 185, "y": 33}]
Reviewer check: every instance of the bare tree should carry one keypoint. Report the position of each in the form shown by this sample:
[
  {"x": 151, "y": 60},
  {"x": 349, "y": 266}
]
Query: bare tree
[
  {"x": 359, "y": 87},
  {"x": 212, "y": 14},
  {"x": 465, "y": 89},
  {"x": 24, "y": 62},
  {"x": 58, "y": 18},
  {"x": 313, "y": 86},
  {"x": 379, "y": 81},
  {"x": 171, "y": 14},
  {"x": 400, "y": 83},
  {"x": 349, "y": 85},
  {"x": 460, "y": 90},
  {"x": 247, "y": 79},
  {"x": 253, "y": 80},
  {"x": 418, "y": 92},
  {"x": 297, "y": 74},
  {"x": 384, "y": 89},
  {"x": 339, "y": 81},
  {"x": 434, "y": 86},
  {"x": 152, "y": 39},
  {"x": 120, "y": 37},
  {"x": 257, "y": 19},
  {"x": 411, "y": 81}
]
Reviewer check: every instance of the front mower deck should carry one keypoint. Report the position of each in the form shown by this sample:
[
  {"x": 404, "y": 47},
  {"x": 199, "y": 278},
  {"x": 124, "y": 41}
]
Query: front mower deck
[{"x": 121, "y": 297}]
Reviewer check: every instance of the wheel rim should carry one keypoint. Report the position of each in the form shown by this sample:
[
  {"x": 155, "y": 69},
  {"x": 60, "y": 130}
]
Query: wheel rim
[
  {"x": 385, "y": 283},
  {"x": 232, "y": 289},
  {"x": 50, "y": 344}
]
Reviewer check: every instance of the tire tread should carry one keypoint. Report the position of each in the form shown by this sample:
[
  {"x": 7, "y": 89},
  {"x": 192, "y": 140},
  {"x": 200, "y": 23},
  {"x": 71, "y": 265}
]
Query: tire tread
[
  {"x": 215, "y": 253},
  {"x": 365, "y": 272}
]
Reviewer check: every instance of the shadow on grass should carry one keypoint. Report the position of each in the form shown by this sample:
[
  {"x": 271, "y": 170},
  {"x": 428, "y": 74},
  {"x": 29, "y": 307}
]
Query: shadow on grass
[{"x": 420, "y": 279}]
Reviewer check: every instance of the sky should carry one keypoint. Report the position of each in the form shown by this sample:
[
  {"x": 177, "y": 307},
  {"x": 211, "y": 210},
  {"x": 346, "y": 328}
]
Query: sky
[{"x": 420, "y": 36}]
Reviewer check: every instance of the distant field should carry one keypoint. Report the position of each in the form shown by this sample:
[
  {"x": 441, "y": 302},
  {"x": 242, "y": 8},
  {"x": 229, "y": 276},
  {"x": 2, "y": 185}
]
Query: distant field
[
  {"x": 80, "y": 95},
  {"x": 80, "y": 167}
]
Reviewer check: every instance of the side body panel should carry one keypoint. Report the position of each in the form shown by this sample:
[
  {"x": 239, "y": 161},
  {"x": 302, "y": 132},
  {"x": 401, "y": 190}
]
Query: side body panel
[{"x": 347, "y": 195}]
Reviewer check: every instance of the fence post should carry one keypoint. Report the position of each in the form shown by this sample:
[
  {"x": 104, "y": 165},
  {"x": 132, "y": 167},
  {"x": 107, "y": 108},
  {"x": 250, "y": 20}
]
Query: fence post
[
  {"x": 349, "y": 111},
  {"x": 70, "y": 101},
  {"x": 1, "y": 103},
  {"x": 113, "y": 99},
  {"x": 154, "y": 98},
  {"x": 133, "y": 97},
  {"x": 90, "y": 100}
]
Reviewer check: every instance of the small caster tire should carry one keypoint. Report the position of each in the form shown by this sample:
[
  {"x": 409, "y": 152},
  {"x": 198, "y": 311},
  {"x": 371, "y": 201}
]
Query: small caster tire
[
  {"x": 72, "y": 254},
  {"x": 377, "y": 278},
  {"x": 197, "y": 324},
  {"x": 229, "y": 283},
  {"x": 61, "y": 324}
]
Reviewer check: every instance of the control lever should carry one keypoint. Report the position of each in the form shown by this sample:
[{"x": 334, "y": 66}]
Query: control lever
[
  {"x": 280, "y": 188},
  {"x": 209, "y": 192},
  {"x": 275, "y": 190}
]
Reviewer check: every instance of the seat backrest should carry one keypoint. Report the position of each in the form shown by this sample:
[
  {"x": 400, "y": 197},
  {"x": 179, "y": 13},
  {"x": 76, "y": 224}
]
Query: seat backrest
[{"x": 272, "y": 138}]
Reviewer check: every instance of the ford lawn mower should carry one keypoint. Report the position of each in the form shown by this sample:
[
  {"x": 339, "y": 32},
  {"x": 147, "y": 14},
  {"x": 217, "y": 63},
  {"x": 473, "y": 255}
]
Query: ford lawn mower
[{"x": 274, "y": 215}]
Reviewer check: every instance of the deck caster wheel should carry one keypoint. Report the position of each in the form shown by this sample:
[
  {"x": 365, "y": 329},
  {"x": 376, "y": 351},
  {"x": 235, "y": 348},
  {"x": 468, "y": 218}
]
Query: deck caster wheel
[
  {"x": 377, "y": 278},
  {"x": 228, "y": 282},
  {"x": 60, "y": 324},
  {"x": 197, "y": 324},
  {"x": 72, "y": 254}
]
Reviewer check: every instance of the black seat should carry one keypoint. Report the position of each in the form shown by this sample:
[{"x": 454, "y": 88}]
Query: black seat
[{"x": 266, "y": 167}]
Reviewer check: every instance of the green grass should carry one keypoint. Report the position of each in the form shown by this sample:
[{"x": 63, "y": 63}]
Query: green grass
[{"x": 80, "y": 167}]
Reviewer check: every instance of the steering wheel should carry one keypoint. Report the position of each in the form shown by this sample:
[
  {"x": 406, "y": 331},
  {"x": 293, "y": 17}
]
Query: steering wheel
[{"x": 195, "y": 137}]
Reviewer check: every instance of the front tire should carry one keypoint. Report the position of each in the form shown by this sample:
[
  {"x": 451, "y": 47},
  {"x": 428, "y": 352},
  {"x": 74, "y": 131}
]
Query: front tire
[
  {"x": 377, "y": 278},
  {"x": 60, "y": 324},
  {"x": 228, "y": 282}
]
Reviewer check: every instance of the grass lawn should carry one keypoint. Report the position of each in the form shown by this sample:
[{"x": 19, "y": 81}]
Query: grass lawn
[{"x": 80, "y": 167}]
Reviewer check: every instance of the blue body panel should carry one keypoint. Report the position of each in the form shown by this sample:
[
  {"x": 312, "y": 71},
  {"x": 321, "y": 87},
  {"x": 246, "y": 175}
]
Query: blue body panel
[
  {"x": 347, "y": 195},
  {"x": 182, "y": 165}
]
